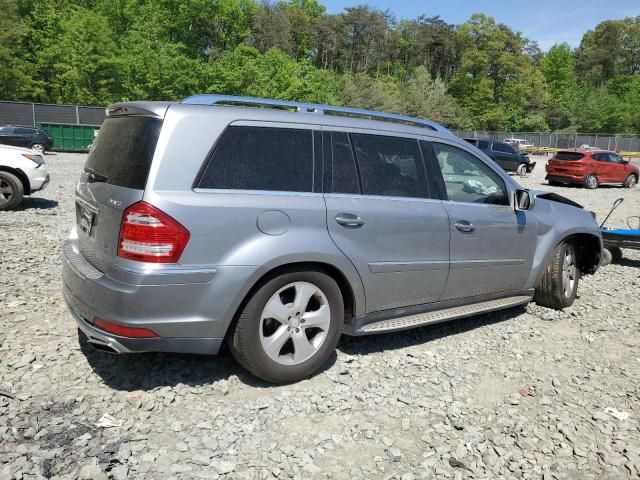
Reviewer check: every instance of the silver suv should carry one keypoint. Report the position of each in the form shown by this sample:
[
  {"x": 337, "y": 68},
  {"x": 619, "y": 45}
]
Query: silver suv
[{"x": 277, "y": 229}]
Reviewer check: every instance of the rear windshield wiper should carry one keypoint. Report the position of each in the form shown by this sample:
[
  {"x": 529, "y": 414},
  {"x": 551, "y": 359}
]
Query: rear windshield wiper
[{"x": 95, "y": 176}]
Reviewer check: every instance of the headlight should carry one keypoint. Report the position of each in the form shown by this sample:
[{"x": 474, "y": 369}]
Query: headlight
[{"x": 37, "y": 159}]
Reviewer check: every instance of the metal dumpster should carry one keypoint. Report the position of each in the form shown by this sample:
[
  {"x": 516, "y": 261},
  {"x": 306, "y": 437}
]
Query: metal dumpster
[{"x": 70, "y": 137}]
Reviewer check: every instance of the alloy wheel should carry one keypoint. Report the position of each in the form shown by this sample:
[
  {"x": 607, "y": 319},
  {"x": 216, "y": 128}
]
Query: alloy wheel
[
  {"x": 569, "y": 271},
  {"x": 294, "y": 323}
]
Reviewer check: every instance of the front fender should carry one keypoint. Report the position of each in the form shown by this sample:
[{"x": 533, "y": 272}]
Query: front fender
[{"x": 556, "y": 223}]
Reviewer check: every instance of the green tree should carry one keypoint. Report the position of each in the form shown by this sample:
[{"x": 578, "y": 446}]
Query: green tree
[
  {"x": 246, "y": 71},
  {"x": 86, "y": 66},
  {"x": 15, "y": 81},
  {"x": 558, "y": 68}
]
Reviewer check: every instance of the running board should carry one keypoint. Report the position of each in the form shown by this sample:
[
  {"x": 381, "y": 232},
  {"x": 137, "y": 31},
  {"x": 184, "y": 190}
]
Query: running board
[{"x": 442, "y": 315}]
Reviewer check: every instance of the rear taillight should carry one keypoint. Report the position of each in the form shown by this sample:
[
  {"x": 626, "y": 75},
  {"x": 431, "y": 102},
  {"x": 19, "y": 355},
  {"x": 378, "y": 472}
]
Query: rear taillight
[
  {"x": 147, "y": 234},
  {"x": 122, "y": 331}
]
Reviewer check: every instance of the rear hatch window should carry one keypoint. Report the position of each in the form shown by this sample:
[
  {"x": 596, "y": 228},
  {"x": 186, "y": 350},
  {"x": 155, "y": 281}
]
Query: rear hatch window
[
  {"x": 123, "y": 151},
  {"x": 571, "y": 156}
]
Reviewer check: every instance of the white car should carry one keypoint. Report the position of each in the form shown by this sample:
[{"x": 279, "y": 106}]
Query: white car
[
  {"x": 519, "y": 143},
  {"x": 22, "y": 172}
]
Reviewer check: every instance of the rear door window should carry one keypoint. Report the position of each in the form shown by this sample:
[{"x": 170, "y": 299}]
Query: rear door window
[
  {"x": 6, "y": 130},
  {"x": 123, "y": 150},
  {"x": 483, "y": 144},
  {"x": 570, "y": 156},
  {"x": 390, "y": 166},
  {"x": 343, "y": 165},
  {"x": 261, "y": 158},
  {"x": 24, "y": 131}
]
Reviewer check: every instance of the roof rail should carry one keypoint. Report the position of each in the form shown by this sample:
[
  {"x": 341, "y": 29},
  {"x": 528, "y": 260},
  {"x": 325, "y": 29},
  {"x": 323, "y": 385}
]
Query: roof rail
[{"x": 214, "y": 99}]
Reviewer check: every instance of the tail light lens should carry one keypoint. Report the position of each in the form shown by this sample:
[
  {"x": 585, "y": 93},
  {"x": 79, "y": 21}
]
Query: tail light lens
[{"x": 147, "y": 234}]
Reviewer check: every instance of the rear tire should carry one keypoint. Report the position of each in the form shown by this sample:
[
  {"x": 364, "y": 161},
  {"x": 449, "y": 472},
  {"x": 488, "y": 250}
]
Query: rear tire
[
  {"x": 290, "y": 327},
  {"x": 631, "y": 181},
  {"x": 559, "y": 284},
  {"x": 591, "y": 182},
  {"x": 11, "y": 191}
]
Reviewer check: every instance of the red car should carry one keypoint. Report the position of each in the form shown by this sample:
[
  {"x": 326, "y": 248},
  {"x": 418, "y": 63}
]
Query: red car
[{"x": 591, "y": 168}]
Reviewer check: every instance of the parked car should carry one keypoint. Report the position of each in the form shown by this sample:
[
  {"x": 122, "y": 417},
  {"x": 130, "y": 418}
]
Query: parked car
[
  {"x": 518, "y": 143},
  {"x": 504, "y": 155},
  {"x": 22, "y": 172},
  {"x": 591, "y": 168},
  {"x": 27, "y": 137},
  {"x": 275, "y": 231}
]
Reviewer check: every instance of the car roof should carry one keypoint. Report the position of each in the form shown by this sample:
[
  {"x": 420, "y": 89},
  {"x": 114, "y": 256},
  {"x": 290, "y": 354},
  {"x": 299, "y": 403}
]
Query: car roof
[
  {"x": 243, "y": 112},
  {"x": 584, "y": 151}
]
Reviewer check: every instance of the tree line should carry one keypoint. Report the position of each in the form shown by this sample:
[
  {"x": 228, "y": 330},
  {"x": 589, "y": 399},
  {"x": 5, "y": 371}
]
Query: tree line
[{"x": 480, "y": 74}]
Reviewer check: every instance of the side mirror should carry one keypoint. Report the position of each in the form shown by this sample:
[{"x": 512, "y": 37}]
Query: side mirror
[{"x": 523, "y": 200}]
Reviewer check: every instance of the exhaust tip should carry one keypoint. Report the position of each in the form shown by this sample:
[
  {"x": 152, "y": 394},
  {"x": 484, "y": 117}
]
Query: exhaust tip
[{"x": 103, "y": 347}]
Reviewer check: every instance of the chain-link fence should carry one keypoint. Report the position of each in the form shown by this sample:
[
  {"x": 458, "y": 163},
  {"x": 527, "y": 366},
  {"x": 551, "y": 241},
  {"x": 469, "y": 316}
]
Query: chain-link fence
[
  {"x": 23, "y": 113},
  {"x": 621, "y": 143}
]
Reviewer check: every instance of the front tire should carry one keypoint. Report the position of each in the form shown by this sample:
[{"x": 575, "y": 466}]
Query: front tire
[
  {"x": 616, "y": 254},
  {"x": 11, "y": 191},
  {"x": 290, "y": 327},
  {"x": 559, "y": 284},
  {"x": 38, "y": 147},
  {"x": 631, "y": 181},
  {"x": 522, "y": 170},
  {"x": 591, "y": 182}
]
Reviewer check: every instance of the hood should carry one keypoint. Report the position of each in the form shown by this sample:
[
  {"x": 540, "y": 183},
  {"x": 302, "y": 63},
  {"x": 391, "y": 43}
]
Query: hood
[
  {"x": 16, "y": 149},
  {"x": 554, "y": 197}
]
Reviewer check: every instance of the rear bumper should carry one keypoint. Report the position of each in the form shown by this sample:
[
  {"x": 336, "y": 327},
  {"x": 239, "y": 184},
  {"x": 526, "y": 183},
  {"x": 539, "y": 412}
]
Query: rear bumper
[
  {"x": 187, "y": 317},
  {"x": 565, "y": 178}
]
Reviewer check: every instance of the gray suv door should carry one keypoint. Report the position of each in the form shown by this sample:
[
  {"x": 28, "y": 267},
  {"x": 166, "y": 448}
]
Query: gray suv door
[
  {"x": 492, "y": 245},
  {"x": 384, "y": 220}
]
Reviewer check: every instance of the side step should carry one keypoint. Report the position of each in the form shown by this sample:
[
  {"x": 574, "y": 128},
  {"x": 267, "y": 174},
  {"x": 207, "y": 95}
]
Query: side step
[{"x": 436, "y": 316}]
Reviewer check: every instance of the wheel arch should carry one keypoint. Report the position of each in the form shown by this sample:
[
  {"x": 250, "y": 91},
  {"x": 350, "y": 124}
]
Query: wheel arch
[
  {"x": 588, "y": 249},
  {"x": 26, "y": 184},
  {"x": 349, "y": 296}
]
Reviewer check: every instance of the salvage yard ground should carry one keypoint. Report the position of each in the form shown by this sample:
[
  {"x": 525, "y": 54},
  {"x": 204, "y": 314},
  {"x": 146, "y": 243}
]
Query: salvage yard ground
[{"x": 526, "y": 393}]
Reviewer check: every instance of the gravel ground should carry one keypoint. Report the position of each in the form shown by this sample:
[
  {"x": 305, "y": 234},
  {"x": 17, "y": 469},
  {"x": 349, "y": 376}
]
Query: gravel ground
[{"x": 525, "y": 393}]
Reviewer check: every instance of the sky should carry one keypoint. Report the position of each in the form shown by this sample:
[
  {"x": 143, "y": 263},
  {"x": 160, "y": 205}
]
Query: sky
[{"x": 545, "y": 21}]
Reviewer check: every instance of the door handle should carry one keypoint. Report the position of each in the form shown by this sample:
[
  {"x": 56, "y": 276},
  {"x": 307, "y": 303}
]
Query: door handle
[
  {"x": 349, "y": 220},
  {"x": 464, "y": 226}
]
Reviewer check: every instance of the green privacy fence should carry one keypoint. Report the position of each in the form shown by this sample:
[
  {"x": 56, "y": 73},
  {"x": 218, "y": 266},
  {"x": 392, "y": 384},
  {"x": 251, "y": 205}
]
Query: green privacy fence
[{"x": 70, "y": 137}]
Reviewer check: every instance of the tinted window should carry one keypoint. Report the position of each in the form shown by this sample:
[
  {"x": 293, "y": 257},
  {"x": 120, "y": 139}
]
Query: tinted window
[
  {"x": 502, "y": 147},
  {"x": 344, "y": 173},
  {"x": 467, "y": 178},
  {"x": 123, "y": 150},
  {"x": 571, "y": 156},
  {"x": 483, "y": 144},
  {"x": 262, "y": 158},
  {"x": 6, "y": 130},
  {"x": 472, "y": 141},
  {"x": 390, "y": 166},
  {"x": 24, "y": 131}
]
